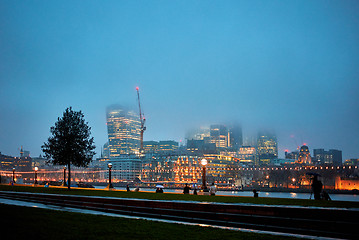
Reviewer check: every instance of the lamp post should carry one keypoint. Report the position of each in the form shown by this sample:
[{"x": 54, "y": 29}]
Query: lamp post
[
  {"x": 204, "y": 185},
  {"x": 13, "y": 175},
  {"x": 35, "y": 182},
  {"x": 109, "y": 176},
  {"x": 64, "y": 183}
]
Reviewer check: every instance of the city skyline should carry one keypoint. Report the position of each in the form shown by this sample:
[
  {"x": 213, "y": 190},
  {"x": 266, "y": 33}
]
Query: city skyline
[{"x": 289, "y": 66}]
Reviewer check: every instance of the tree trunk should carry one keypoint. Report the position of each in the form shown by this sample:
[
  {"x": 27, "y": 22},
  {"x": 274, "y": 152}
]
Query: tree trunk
[{"x": 69, "y": 178}]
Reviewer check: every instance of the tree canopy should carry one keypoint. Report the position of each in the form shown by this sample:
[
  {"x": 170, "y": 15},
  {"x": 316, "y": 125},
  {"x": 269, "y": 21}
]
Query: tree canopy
[{"x": 70, "y": 142}]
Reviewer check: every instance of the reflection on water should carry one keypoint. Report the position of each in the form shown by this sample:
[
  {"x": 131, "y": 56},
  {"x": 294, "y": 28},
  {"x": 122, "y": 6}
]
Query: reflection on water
[
  {"x": 334, "y": 197},
  {"x": 293, "y": 195}
]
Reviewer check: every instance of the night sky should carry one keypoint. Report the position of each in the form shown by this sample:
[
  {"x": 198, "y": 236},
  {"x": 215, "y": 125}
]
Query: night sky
[{"x": 291, "y": 66}]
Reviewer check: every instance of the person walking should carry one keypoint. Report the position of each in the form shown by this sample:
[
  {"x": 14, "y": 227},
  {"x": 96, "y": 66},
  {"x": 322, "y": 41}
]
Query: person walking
[
  {"x": 186, "y": 189},
  {"x": 213, "y": 190},
  {"x": 317, "y": 187}
]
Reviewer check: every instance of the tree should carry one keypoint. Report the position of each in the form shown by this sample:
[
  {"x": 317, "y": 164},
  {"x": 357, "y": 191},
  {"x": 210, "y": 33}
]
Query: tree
[{"x": 70, "y": 142}]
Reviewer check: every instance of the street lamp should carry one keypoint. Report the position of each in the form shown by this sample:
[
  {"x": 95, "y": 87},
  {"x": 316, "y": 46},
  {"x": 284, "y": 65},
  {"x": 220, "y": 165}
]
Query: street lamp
[
  {"x": 109, "y": 176},
  {"x": 204, "y": 185},
  {"x": 13, "y": 175},
  {"x": 36, "y": 168},
  {"x": 293, "y": 180},
  {"x": 64, "y": 183}
]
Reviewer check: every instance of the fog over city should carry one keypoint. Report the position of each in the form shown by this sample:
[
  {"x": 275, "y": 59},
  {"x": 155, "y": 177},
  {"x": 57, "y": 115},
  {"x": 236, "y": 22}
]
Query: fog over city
[{"x": 287, "y": 66}]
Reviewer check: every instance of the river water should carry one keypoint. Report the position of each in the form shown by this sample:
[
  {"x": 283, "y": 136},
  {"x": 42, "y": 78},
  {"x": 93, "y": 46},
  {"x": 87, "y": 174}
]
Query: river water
[{"x": 334, "y": 197}]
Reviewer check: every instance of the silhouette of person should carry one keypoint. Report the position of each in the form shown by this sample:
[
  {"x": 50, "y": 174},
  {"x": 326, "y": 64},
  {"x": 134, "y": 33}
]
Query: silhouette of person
[
  {"x": 128, "y": 188},
  {"x": 159, "y": 190},
  {"x": 326, "y": 196},
  {"x": 213, "y": 190},
  {"x": 186, "y": 189},
  {"x": 317, "y": 188},
  {"x": 255, "y": 194}
]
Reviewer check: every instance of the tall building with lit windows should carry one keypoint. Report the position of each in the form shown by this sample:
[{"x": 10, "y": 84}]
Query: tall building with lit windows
[
  {"x": 123, "y": 127},
  {"x": 219, "y": 135},
  {"x": 267, "y": 147}
]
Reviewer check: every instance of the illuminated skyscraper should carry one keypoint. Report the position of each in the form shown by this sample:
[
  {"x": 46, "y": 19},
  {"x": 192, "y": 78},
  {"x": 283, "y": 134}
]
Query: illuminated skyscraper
[
  {"x": 123, "y": 127},
  {"x": 235, "y": 139},
  {"x": 267, "y": 147},
  {"x": 219, "y": 135}
]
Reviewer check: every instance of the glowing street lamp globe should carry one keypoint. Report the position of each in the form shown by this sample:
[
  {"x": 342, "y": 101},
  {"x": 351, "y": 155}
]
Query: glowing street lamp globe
[
  {"x": 204, "y": 162},
  {"x": 36, "y": 168}
]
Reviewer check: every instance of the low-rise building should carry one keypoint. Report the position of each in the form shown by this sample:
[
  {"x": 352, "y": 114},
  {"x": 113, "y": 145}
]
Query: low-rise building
[
  {"x": 126, "y": 168},
  {"x": 346, "y": 183}
]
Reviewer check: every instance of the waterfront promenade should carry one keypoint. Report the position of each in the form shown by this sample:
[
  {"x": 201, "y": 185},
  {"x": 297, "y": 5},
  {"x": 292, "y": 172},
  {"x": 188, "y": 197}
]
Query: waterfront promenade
[{"x": 337, "y": 222}]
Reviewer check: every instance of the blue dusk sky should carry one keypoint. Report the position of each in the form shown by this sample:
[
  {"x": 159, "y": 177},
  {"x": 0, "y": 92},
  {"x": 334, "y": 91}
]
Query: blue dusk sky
[{"x": 291, "y": 66}]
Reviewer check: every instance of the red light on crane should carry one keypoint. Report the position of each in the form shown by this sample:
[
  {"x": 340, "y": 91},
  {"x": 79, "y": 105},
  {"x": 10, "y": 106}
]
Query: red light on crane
[{"x": 137, "y": 88}]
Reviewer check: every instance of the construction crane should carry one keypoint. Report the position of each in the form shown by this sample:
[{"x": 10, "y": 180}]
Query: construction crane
[{"x": 142, "y": 120}]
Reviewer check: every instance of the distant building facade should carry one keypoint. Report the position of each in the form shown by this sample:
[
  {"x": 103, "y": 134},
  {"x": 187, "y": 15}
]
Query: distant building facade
[
  {"x": 150, "y": 146},
  {"x": 200, "y": 146},
  {"x": 219, "y": 135},
  {"x": 346, "y": 183},
  {"x": 198, "y": 134},
  {"x": 292, "y": 155},
  {"x": 352, "y": 162},
  {"x": 304, "y": 156},
  {"x": 281, "y": 162},
  {"x": 247, "y": 155},
  {"x": 267, "y": 147},
  {"x": 123, "y": 127},
  {"x": 167, "y": 146},
  {"x": 332, "y": 156},
  {"x": 6, "y": 162},
  {"x": 235, "y": 136},
  {"x": 22, "y": 164},
  {"x": 125, "y": 168},
  {"x": 39, "y": 162},
  {"x": 106, "y": 151}
]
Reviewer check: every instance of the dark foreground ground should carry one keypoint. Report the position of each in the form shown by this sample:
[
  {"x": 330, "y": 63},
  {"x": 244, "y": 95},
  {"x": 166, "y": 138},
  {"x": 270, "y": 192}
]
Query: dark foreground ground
[
  {"x": 35, "y": 223},
  {"x": 183, "y": 197}
]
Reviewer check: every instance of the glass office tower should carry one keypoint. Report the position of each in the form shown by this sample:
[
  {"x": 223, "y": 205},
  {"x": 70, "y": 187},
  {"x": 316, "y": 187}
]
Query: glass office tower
[{"x": 123, "y": 127}]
